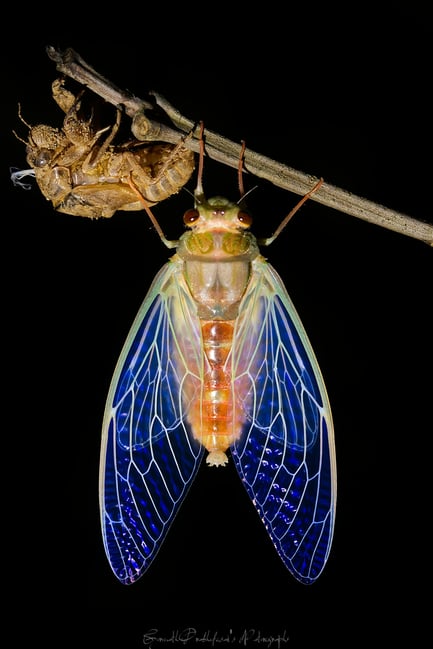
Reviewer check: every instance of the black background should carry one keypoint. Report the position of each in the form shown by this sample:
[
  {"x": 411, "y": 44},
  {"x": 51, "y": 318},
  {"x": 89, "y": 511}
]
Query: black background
[{"x": 341, "y": 95}]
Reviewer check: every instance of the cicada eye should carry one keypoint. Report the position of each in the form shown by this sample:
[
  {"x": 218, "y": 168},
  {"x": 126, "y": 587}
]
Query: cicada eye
[
  {"x": 245, "y": 218},
  {"x": 39, "y": 157},
  {"x": 191, "y": 216}
]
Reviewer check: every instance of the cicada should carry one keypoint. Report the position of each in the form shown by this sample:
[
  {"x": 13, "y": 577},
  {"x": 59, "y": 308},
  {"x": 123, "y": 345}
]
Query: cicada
[
  {"x": 217, "y": 362},
  {"x": 82, "y": 172}
]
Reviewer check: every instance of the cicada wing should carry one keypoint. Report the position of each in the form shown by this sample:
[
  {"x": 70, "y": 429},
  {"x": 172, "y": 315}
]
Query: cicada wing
[
  {"x": 285, "y": 456},
  {"x": 148, "y": 458}
]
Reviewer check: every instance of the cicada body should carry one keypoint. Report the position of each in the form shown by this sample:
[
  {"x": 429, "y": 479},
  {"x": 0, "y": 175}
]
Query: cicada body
[
  {"x": 82, "y": 172},
  {"x": 217, "y": 362}
]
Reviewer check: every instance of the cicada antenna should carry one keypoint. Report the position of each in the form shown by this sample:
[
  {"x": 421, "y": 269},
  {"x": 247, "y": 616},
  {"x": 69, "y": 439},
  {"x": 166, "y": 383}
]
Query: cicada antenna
[{"x": 24, "y": 122}]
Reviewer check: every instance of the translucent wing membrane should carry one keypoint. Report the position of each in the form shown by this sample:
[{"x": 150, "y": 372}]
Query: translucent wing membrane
[
  {"x": 285, "y": 456},
  {"x": 148, "y": 459}
]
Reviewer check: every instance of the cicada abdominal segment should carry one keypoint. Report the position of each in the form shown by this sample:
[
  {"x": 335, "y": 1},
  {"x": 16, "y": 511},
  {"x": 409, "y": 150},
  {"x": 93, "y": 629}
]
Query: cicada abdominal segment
[{"x": 212, "y": 417}]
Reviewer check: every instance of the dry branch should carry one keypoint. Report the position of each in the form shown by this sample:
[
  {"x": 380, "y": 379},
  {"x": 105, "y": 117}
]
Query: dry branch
[{"x": 223, "y": 150}]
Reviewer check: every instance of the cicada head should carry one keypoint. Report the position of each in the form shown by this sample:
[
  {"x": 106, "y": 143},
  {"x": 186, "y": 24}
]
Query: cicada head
[{"x": 217, "y": 213}]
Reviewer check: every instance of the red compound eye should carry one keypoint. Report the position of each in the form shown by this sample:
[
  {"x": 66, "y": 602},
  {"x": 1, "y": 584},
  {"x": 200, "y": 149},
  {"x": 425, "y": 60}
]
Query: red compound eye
[
  {"x": 245, "y": 218},
  {"x": 191, "y": 216}
]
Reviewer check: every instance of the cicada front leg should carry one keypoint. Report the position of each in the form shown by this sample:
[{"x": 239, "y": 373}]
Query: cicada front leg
[{"x": 64, "y": 98}]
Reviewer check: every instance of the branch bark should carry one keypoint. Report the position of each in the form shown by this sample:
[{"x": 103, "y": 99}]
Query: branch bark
[{"x": 146, "y": 127}]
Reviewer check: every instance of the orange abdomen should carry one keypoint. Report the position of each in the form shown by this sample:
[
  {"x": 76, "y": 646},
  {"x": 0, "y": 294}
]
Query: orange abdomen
[{"x": 213, "y": 416}]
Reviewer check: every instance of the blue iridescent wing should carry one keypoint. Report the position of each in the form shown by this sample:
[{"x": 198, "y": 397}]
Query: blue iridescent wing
[
  {"x": 285, "y": 456},
  {"x": 148, "y": 458}
]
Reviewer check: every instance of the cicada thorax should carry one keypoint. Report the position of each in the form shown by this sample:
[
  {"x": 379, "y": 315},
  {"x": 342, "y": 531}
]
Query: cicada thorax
[{"x": 217, "y": 266}]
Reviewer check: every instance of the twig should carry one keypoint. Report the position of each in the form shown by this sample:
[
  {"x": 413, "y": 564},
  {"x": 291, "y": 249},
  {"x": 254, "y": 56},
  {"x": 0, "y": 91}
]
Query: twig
[{"x": 144, "y": 127}]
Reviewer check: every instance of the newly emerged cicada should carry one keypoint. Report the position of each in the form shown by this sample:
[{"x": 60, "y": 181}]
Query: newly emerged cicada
[
  {"x": 217, "y": 361},
  {"x": 82, "y": 172}
]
